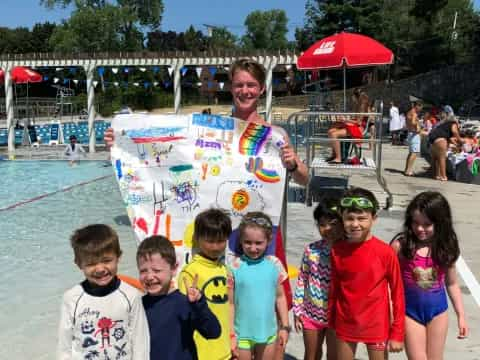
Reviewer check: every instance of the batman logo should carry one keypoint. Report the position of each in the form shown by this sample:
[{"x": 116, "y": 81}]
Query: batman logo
[{"x": 215, "y": 290}]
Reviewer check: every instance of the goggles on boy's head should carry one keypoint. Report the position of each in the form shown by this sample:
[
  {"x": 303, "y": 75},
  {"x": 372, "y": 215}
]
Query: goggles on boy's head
[
  {"x": 258, "y": 221},
  {"x": 360, "y": 202}
]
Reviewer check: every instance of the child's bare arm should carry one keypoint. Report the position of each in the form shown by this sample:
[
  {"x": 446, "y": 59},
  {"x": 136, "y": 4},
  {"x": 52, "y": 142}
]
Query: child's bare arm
[
  {"x": 395, "y": 283},
  {"x": 282, "y": 313},
  {"x": 231, "y": 301},
  {"x": 455, "y": 295}
]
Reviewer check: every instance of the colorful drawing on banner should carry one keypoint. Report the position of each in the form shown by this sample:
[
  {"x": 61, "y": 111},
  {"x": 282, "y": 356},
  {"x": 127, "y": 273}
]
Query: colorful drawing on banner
[
  {"x": 169, "y": 168},
  {"x": 255, "y": 166},
  {"x": 185, "y": 187},
  {"x": 155, "y": 134},
  {"x": 238, "y": 198},
  {"x": 253, "y": 139},
  {"x": 215, "y": 127}
]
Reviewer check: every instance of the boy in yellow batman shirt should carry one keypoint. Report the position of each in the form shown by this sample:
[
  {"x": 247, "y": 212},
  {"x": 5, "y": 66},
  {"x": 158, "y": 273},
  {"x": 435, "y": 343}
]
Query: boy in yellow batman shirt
[{"x": 211, "y": 231}]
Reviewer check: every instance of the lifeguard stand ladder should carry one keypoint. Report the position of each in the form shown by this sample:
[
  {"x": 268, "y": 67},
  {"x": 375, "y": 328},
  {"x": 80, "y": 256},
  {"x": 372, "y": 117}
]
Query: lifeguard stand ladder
[
  {"x": 63, "y": 99},
  {"x": 315, "y": 125}
]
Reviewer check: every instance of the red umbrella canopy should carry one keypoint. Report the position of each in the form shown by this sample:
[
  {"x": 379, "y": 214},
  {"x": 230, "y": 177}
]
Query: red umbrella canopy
[
  {"x": 344, "y": 48},
  {"x": 2, "y": 76},
  {"x": 22, "y": 75}
]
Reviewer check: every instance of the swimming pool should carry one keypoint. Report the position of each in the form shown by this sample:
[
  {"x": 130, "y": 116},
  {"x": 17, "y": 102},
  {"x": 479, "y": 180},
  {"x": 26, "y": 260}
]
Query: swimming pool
[{"x": 41, "y": 203}]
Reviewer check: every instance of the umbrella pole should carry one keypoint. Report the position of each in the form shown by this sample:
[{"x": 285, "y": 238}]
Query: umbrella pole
[
  {"x": 28, "y": 110},
  {"x": 344, "y": 87}
]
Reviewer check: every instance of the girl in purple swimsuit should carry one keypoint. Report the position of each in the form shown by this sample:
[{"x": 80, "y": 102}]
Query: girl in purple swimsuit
[{"x": 428, "y": 249}]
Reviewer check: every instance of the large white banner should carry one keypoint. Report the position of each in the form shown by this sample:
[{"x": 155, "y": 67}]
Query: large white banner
[{"x": 171, "y": 167}]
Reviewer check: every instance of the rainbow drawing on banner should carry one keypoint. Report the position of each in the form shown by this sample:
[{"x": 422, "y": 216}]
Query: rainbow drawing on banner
[
  {"x": 255, "y": 166},
  {"x": 268, "y": 176},
  {"x": 253, "y": 139}
]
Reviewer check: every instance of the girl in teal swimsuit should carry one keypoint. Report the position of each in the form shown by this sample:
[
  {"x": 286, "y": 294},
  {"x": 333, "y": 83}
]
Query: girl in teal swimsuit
[{"x": 428, "y": 250}]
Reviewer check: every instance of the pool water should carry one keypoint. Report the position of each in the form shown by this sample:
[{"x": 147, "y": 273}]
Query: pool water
[{"x": 41, "y": 203}]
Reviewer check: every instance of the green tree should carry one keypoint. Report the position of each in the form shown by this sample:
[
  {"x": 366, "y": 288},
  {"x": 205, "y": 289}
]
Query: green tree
[
  {"x": 16, "y": 41},
  {"x": 419, "y": 32},
  {"x": 41, "y": 34},
  {"x": 222, "y": 39},
  {"x": 266, "y": 30},
  {"x": 194, "y": 40},
  {"x": 132, "y": 17},
  {"x": 89, "y": 30}
]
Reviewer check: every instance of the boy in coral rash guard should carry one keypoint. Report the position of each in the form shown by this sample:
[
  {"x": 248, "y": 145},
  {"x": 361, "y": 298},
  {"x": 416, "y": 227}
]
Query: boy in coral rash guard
[{"x": 364, "y": 268}]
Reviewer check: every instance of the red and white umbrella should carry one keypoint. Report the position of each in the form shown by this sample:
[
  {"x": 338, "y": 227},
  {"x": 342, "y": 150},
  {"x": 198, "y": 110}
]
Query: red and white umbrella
[
  {"x": 24, "y": 75},
  {"x": 344, "y": 50}
]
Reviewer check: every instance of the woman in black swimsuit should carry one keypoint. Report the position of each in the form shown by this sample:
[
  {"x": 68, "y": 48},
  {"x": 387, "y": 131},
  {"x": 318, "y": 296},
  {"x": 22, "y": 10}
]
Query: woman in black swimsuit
[{"x": 440, "y": 137}]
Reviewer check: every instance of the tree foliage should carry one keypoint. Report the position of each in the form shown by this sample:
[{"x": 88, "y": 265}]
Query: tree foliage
[
  {"x": 418, "y": 32},
  {"x": 222, "y": 39},
  {"x": 266, "y": 30},
  {"x": 90, "y": 30},
  {"x": 121, "y": 23},
  {"x": 21, "y": 40}
]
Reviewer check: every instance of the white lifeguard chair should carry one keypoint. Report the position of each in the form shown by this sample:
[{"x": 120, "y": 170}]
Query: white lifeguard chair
[
  {"x": 56, "y": 134},
  {"x": 63, "y": 100}
]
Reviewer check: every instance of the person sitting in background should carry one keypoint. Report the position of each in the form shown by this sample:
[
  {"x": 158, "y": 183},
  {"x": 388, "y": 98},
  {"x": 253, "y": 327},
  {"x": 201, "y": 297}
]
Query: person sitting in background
[{"x": 349, "y": 128}]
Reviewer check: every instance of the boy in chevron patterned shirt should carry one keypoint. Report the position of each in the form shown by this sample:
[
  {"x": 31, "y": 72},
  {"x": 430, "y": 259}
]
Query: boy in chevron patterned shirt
[{"x": 310, "y": 305}]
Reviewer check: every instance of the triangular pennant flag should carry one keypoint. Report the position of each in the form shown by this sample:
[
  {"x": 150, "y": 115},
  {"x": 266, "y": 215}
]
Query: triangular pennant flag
[
  {"x": 288, "y": 67},
  {"x": 75, "y": 81},
  {"x": 227, "y": 68},
  {"x": 55, "y": 80},
  {"x": 95, "y": 83},
  {"x": 45, "y": 78},
  {"x": 198, "y": 69},
  {"x": 167, "y": 83},
  {"x": 101, "y": 71},
  {"x": 155, "y": 83},
  {"x": 142, "y": 69},
  {"x": 170, "y": 70},
  {"x": 58, "y": 69},
  {"x": 213, "y": 70},
  {"x": 136, "y": 84},
  {"x": 221, "y": 84},
  {"x": 65, "y": 81},
  {"x": 146, "y": 84},
  {"x": 115, "y": 83},
  {"x": 199, "y": 84},
  {"x": 126, "y": 70},
  {"x": 210, "y": 84},
  {"x": 115, "y": 70},
  {"x": 183, "y": 70},
  {"x": 155, "y": 69}
]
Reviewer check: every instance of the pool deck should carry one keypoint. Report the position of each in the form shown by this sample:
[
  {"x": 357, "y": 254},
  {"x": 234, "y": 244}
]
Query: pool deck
[{"x": 463, "y": 198}]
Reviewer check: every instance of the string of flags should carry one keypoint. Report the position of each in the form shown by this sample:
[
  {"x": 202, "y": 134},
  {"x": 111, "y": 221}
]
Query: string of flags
[{"x": 166, "y": 83}]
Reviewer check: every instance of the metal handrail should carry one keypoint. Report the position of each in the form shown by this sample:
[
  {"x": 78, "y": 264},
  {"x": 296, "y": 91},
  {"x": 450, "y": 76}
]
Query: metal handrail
[{"x": 316, "y": 134}]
